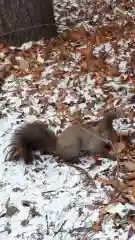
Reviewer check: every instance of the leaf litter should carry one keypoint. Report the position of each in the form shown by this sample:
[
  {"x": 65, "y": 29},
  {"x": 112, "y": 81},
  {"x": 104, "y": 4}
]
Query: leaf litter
[{"x": 76, "y": 77}]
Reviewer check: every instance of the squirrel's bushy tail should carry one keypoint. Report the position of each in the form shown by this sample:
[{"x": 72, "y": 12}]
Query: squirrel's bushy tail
[{"x": 29, "y": 137}]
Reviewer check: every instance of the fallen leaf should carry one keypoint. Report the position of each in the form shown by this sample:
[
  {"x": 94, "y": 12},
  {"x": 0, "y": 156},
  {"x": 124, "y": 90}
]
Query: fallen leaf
[
  {"x": 65, "y": 53},
  {"x": 36, "y": 73},
  {"x": 106, "y": 181},
  {"x": 131, "y": 183},
  {"x": 11, "y": 210},
  {"x": 24, "y": 64},
  {"x": 84, "y": 66},
  {"x": 93, "y": 38},
  {"x": 132, "y": 90},
  {"x": 130, "y": 165},
  {"x": 112, "y": 72},
  {"x": 76, "y": 34},
  {"x": 102, "y": 212},
  {"x": 96, "y": 227},
  {"x": 130, "y": 199},
  {"x": 19, "y": 73},
  {"x": 120, "y": 186},
  {"x": 133, "y": 226},
  {"x": 24, "y": 222},
  {"x": 130, "y": 176},
  {"x": 2, "y": 73},
  {"x": 119, "y": 147},
  {"x": 133, "y": 192},
  {"x": 40, "y": 58},
  {"x": 61, "y": 107},
  {"x": 46, "y": 53},
  {"x": 100, "y": 63},
  {"x": 86, "y": 52}
]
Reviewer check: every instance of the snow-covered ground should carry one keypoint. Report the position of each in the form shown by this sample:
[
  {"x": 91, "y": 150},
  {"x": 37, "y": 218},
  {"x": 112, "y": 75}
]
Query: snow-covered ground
[{"x": 47, "y": 200}]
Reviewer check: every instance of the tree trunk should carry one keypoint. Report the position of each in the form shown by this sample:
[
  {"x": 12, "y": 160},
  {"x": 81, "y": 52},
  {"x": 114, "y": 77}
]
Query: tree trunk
[{"x": 22, "y": 21}]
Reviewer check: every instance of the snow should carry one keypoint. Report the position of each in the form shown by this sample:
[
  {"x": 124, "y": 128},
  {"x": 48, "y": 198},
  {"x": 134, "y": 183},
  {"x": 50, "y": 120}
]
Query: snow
[
  {"x": 66, "y": 203},
  {"x": 56, "y": 191}
]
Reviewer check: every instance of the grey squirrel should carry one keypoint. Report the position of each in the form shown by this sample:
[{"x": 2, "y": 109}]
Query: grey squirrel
[
  {"x": 74, "y": 139},
  {"x": 93, "y": 139}
]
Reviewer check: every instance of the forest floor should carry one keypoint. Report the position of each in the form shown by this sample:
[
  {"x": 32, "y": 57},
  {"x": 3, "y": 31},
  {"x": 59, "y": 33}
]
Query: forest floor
[{"x": 77, "y": 76}]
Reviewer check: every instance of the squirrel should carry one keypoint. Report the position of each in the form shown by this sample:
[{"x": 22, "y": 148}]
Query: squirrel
[
  {"x": 89, "y": 138},
  {"x": 70, "y": 143},
  {"x": 29, "y": 137}
]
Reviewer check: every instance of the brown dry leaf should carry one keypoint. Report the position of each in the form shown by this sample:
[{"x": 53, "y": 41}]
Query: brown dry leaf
[
  {"x": 44, "y": 88},
  {"x": 104, "y": 30},
  {"x": 130, "y": 176},
  {"x": 24, "y": 64},
  {"x": 65, "y": 53},
  {"x": 84, "y": 66},
  {"x": 2, "y": 72},
  {"x": 133, "y": 192},
  {"x": 36, "y": 72},
  {"x": 133, "y": 226},
  {"x": 86, "y": 52},
  {"x": 100, "y": 63},
  {"x": 111, "y": 72},
  {"x": 133, "y": 80},
  {"x": 131, "y": 183},
  {"x": 93, "y": 66},
  {"x": 96, "y": 227},
  {"x": 119, "y": 147},
  {"x": 46, "y": 53},
  {"x": 102, "y": 212},
  {"x": 39, "y": 68},
  {"x": 130, "y": 165},
  {"x": 129, "y": 110},
  {"x": 130, "y": 198},
  {"x": 120, "y": 186},
  {"x": 93, "y": 38},
  {"x": 61, "y": 107},
  {"x": 98, "y": 40},
  {"x": 115, "y": 47},
  {"x": 106, "y": 181},
  {"x": 36, "y": 75},
  {"x": 132, "y": 89},
  {"x": 19, "y": 74},
  {"x": 76, "y": 34}
]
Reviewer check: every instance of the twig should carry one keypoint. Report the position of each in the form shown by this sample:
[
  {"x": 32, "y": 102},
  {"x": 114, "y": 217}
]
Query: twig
[
  {"x": 47, "y": 224},
  {"x": 80, "y": 229},
  {"x": 60, "y": 228},
  {"x": 83, "y": 171}
]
